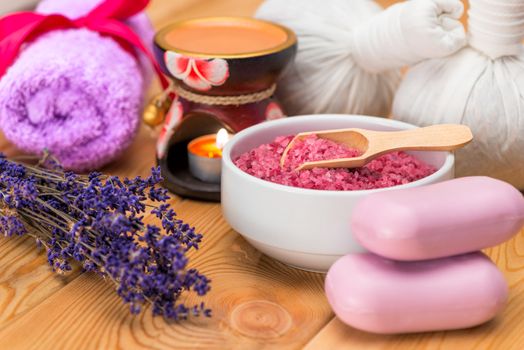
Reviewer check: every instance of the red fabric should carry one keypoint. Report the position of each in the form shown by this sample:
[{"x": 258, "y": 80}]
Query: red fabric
[{"x": 106, "y": 19}]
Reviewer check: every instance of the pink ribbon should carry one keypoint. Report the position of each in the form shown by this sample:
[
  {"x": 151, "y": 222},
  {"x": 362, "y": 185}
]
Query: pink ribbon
[{"x": 107, "y": 19}]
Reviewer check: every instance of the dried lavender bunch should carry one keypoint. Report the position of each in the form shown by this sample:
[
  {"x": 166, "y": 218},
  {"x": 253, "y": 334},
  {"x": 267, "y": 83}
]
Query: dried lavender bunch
[{"x": 98, "y": 221}]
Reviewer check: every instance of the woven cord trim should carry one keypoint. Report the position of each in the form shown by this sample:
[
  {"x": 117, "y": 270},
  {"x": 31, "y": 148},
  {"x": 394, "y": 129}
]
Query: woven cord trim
[{"x": 224, "y": 100}]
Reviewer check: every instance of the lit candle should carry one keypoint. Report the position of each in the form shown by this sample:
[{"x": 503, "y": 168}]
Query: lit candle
[{"x": 205, "y": 156}]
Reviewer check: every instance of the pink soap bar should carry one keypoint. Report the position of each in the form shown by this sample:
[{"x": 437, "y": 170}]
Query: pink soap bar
[
  {"x": 444, "y": 219},
  {"x": 379, "y": 295}
]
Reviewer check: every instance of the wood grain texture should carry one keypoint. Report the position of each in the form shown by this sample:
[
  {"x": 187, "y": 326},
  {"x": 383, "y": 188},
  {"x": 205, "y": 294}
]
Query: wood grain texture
[
  {"x": 372, "y": 144},
  {"x": 25, "y": 278},
  {"x": 257, "y": 302}
]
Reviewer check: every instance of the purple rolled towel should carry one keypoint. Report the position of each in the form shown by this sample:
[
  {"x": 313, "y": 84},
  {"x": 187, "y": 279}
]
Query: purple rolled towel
[{"x": 74, "y": 92}]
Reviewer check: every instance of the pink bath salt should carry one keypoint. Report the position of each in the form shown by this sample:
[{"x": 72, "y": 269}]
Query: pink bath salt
[{"x": 392, "y": 169}]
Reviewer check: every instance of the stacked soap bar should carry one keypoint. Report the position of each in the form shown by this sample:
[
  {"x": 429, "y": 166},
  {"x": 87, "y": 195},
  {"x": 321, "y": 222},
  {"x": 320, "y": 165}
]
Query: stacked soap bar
[{"x": 425, "y": 272}]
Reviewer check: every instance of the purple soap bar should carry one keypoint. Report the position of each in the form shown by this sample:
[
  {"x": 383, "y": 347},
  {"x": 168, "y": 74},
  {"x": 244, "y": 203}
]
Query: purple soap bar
[
  {"x": 379, "y": 295},
  {"x": 444, "y": 219}
]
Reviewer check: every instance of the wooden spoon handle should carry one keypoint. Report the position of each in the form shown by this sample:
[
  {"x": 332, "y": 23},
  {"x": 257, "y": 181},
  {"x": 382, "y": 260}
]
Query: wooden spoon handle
[{"x": 443, "y": 137}]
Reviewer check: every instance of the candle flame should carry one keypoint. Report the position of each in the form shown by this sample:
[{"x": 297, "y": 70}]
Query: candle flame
[{"x": 222, "y": 138}]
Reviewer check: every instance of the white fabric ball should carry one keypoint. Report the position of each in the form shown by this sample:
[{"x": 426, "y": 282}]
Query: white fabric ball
[
  {"x": 350, "y": 51},
  {"x": 487, "y": 95},
  {"x": 480, "y": 86},
  {"x": 325, "y": 78}
]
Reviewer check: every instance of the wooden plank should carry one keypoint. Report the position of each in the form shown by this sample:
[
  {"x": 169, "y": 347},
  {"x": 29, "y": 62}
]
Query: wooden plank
[
  {"x": 25, "y": 278},
  {"x": 257, "y": 302},
  {"x": 163, "y": 11},
  {"x": 6, "y": 147},
  {"x": 505, "y": 332}
]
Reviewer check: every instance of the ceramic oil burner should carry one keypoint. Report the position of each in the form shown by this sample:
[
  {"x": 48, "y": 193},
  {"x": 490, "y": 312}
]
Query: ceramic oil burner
[{"x": 224, "y": 72}]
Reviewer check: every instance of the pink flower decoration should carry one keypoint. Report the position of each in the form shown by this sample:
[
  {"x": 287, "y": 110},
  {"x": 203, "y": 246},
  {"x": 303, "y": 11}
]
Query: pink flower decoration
[
  {"x": 198, "y": 73},
  {"x": 174, "y": 116},
  {"x": 273, "y": 111}
]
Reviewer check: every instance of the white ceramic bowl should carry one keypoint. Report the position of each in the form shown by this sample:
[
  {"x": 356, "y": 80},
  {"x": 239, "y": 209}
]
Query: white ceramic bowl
[{"x": 308, "y": 229}]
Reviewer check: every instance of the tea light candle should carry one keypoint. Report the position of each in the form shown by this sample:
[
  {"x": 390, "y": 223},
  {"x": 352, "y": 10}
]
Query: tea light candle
[{"x": 205, "y": 156}]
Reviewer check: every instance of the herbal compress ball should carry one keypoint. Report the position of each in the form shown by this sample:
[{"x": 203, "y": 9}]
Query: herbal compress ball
[
  {"x": 350, "y": 51},
  {"x": 481, "y": 86}
]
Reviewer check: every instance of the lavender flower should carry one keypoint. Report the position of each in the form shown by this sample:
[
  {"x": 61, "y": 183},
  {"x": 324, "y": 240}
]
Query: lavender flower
[{"x": 98, "y": 221}]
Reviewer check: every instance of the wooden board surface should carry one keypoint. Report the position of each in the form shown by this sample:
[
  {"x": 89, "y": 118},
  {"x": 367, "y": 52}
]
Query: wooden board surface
[{"x": 257, "y": 302}]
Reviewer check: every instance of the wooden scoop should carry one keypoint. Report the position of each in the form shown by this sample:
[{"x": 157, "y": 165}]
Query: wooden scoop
[{"x": 372, "y": 144}]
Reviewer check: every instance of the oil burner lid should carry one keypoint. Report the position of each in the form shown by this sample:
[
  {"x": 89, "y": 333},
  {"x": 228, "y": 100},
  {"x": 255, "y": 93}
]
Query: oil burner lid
[{"x": 225, "y": 37}]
